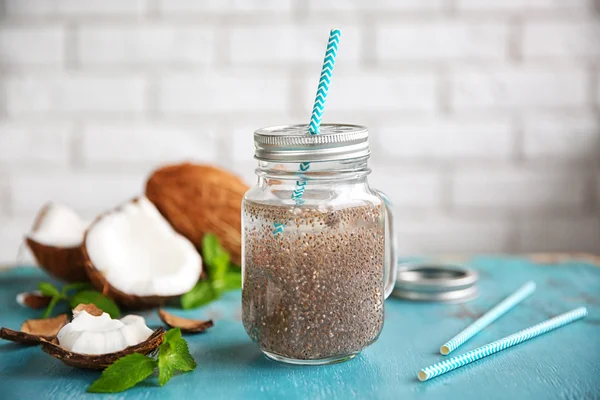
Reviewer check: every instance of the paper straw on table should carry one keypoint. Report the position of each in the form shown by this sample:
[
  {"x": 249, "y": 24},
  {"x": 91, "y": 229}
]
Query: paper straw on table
[
  {"x": 499, "y": 310},
  {"x": 502, "y": 344}
]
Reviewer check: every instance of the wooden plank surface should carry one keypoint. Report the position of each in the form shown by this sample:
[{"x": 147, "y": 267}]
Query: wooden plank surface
[{"x": 564, "y": 364}]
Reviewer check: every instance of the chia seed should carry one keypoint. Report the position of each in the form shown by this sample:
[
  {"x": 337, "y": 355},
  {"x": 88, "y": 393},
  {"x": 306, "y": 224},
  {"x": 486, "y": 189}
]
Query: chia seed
[{"x": 315, "y": 290}]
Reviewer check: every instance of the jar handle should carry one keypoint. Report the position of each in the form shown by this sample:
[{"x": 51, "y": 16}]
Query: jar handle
[{"x": 391, "y": 251}]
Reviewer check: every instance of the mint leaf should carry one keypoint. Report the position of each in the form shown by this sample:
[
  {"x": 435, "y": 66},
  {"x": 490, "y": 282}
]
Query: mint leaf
[
  {"x": 233, "y": 280},
  {"x": 172, "y": 336},
  {"x": 216, "y": 260},
  {"x": 210, "y": 247},
  {"x": 173, "y": 355},
  {"x": 203, "y": 293},
  {"x": 49, "y": 289},
  {"x": 123, "y": 374},
  {"x": 165, "y": 366},
  {"x": 184, "y": 361},
  {"x": 53, "y": 301},
  {"x": 96, "y": 298},
  {"x": 77, "y": 286}
]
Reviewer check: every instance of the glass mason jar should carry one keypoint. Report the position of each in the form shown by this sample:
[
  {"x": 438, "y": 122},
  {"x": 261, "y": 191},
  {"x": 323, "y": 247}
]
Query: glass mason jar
[{"x": 318, "y": 247}]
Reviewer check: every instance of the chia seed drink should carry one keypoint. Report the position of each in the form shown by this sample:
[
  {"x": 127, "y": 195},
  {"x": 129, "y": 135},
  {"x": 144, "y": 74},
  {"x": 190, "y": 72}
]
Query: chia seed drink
[
  {"x": 314, "y": 291},
  {"x": 318, "y": 246}
]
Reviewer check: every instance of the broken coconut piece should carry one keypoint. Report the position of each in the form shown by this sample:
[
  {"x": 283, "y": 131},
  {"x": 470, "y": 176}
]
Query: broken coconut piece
[
  {"x": 101, "y": 361},
  {"x": 186, "y": 325},
  {"x": 135, "y": 257},
  {"x": 99, "y": 334},
  {"x": 35, "y": 299},
  {"x": 34, "y": 331},
  {"x": 55, "y": 241}
]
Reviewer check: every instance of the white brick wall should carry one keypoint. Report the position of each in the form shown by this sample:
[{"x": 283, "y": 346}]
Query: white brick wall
[
  {"x": 447, "y": 139},
  {"x": 146, "y": 144},
  {"x": 32, "y": 46},
  {"x": 442, "y": 40},
  {"x": 517, "y": 189},
  {"x": 78, "y": 8},
  {"x": 484, "y": 114},
  {"x": 557, "y": 137},
  {"x": 574, "y": 38},
  {"x": 68, "y": 94},
  {"x": 145, "y": 45},
  {"x": 486, "y": 89}
]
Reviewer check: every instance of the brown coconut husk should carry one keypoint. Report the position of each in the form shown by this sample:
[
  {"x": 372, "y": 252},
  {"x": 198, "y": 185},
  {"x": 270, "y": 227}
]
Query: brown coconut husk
[
  {"x": 185, "y": 324},
  {"x": 101, "y": 361},
  {"x": 34, "y": 331},
  {"x": 98, "y": 280},
  {"x": 200, "y": 199},
  {"x": 64, "y": 263}
]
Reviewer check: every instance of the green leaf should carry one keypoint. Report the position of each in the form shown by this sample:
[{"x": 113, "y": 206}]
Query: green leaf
[
  {"x": 123, "y": 374},
  {"x": 233, "y": 280},
  {"x": 77, "y": 286},
  {"x": 172, "y": 336},
  {"x": 53, "y": 301},
  {"x": 96, "y": 298},
  {"x": 165, "y": 366},
  {"x": 48, "y": 289},
  {"x": 184, "y": 361},
  {"x": 173, "y": 356},
  {"x": 210, "y": 247},
  {"x": 203, "y": 293}
]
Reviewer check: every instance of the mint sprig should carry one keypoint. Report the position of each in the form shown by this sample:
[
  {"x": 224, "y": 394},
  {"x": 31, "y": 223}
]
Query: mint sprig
[
  {"x": 124, "y": 373},
  {"x": 75, "y": 294},
  {"x": 128, "y": 371},
  {"x": 223, "y": 275}
]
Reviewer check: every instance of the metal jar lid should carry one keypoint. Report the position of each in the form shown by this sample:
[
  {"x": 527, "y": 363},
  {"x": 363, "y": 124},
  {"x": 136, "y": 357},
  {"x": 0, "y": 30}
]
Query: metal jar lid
[
  {"x": 293, "y": 143},
  {"x": 432, "y": 282}
]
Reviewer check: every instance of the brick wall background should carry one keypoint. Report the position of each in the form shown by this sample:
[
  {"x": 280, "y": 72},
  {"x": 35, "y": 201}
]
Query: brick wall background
[{"x": 484, "y": 114}]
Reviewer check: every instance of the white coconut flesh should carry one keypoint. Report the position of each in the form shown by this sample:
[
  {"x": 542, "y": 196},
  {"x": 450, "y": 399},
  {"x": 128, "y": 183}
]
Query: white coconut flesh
[
  {"x": 139, "y": 253},
  {"x": 58, "y": 226},
  {"x": 88, "y": 334}
]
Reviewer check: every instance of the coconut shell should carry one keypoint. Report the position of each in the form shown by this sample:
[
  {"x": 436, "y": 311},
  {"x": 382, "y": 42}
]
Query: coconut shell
[
  {"x": 63, "y": 263},
  {"x": 34, "y": 331},
  {"x": 101, "y": 361},
  {"x": 34, "y": 300},
  {"x": 200, "y": 199},
  {"x": 185, "y": 324},
  {"x": 98, "y": 280}
]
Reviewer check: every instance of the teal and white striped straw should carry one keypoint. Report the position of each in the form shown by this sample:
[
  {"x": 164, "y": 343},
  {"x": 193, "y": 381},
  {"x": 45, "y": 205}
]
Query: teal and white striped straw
[
  {"x": 319, "y": 105},
  {"x": 502, "y": 344},
  {"x": 499, "y": 310}
]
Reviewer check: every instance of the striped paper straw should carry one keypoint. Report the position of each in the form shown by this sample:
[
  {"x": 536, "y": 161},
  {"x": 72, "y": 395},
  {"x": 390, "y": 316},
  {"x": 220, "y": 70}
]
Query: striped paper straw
[
  {"x": 319, "y": 105},
  {"x": 502, "y": 344},
  {"x": 499, "y": 310}
]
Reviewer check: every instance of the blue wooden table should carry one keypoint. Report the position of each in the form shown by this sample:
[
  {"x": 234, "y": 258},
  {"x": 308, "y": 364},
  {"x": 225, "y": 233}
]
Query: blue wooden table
[{"x": 563, "y": 364}]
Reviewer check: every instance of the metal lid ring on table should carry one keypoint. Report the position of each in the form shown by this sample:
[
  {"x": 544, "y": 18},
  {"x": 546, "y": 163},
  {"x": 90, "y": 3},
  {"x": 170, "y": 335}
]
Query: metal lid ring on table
[{"x": 433, "y": 282}]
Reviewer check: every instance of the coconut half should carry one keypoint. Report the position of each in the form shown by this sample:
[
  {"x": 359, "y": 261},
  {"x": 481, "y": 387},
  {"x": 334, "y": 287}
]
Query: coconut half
[
  {"x": 135, "y": 257},
  {"x": 94, "y": 340},
  {"x": 55, "y": 241},
  {"x": 34, "y": 331}
]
